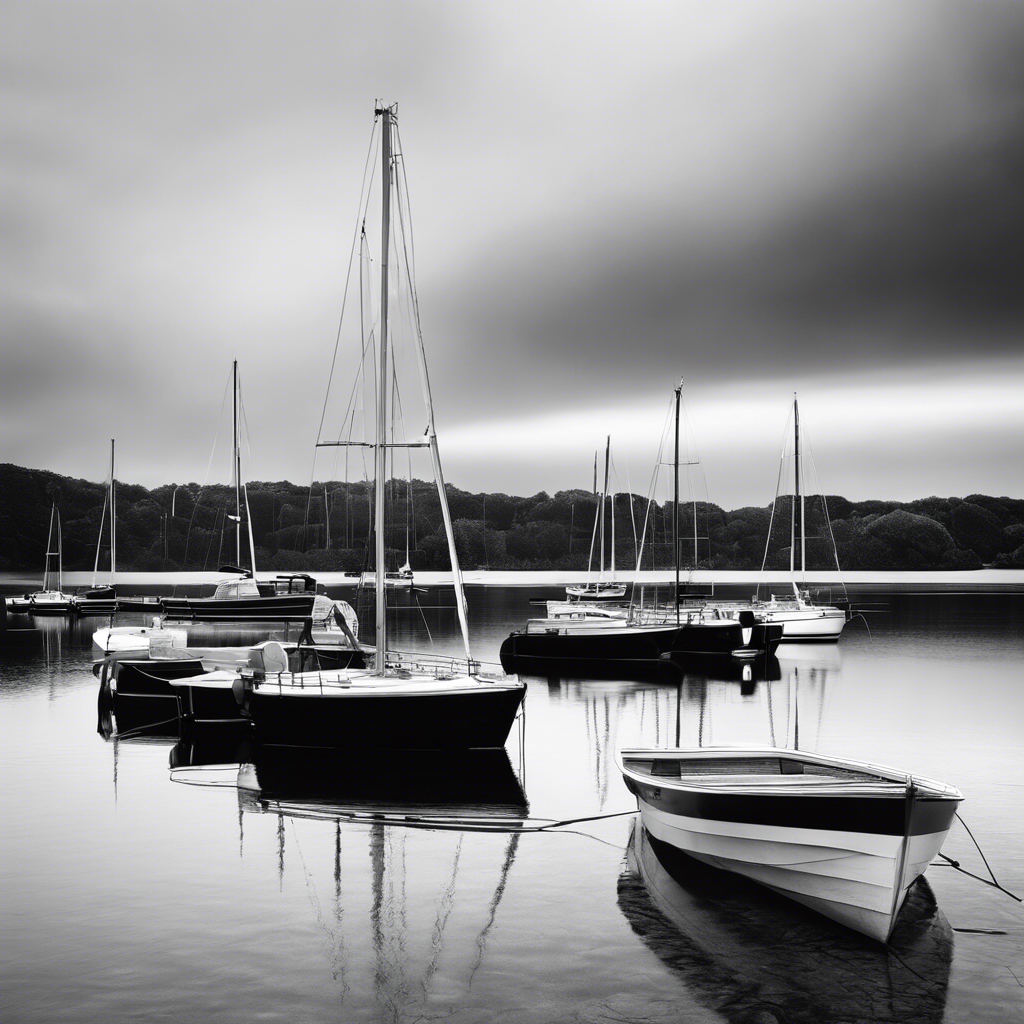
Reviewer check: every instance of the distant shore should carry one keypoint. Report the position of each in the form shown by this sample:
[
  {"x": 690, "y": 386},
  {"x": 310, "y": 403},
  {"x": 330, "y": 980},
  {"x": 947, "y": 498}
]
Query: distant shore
[{"x": 970, "y": 581}]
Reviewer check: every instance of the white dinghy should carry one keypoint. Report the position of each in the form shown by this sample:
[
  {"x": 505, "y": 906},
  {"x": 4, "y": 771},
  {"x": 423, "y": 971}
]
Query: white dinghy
[{"x": 846, "y": 839}]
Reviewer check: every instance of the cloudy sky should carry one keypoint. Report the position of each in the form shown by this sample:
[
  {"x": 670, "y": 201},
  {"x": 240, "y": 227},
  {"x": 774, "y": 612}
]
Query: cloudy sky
[{"x": 756, "y": 197}]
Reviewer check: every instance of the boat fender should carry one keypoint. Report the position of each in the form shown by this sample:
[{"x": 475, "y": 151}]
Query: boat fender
[{"x": 238, "y": 691}]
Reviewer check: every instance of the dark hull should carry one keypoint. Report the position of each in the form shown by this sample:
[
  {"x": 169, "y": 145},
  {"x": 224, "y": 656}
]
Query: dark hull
[
  {"x": 139, "y": 604},
  {"x": 141, "y": 692},
  {"x": 95, "y": 605},
  {"x": 279, "y": 608},
  {"x": 642, "y": 648},
  {"x": 206, "y": 705},
  {"x": 878, "y": 815},
  {"x": 473, "y": 720}
]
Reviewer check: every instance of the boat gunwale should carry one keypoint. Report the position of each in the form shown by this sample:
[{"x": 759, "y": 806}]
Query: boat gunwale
[{"x": 928, "y": 789}]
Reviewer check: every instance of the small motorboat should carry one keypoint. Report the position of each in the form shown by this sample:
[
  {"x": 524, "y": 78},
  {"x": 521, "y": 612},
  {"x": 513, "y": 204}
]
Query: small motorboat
[
  {"x": 138, "y": 638},
  {"x": 242, "y": 598},
  {"x": 596, "y": 591},
  {"x": 845, "y": 838}
]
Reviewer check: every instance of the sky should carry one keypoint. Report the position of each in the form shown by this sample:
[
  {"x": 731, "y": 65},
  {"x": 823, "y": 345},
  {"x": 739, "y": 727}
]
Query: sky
[{"x": 758, "y": 198}]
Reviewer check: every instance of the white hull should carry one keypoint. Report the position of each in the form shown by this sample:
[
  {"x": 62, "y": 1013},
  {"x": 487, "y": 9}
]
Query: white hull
[
  {"x": 811, "y": 625},
  {"x": 850, "y": 877},
  {"x": 137, "y": 638},
  {"x": 50, "y": 602}
]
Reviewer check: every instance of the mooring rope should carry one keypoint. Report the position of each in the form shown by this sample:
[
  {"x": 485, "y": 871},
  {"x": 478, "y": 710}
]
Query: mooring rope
[{"x": 994, "y": 883}]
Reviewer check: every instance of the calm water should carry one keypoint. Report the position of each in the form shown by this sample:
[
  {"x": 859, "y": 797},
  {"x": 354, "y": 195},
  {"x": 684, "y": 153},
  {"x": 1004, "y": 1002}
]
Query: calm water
[{"x": 129, "y": 893}]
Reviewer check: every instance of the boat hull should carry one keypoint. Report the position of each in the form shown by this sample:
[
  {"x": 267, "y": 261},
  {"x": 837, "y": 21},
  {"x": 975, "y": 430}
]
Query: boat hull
[
  {"x": 136, "y": 638},
  {"x": 480, "y": 718},
  {"x": 63, "y": 606},
  {"x": 801, "y": 849},
  {"x": 808, "y": 627},
  {"x": 607, "y": 648},
  {"x": 141, "y": 692},
  {"x": 96, "y": 605},
  {"x": 278, "y": 608}
]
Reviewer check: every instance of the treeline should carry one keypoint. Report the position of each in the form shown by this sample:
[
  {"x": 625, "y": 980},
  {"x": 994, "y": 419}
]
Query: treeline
[{"x": 330, "y": 527}]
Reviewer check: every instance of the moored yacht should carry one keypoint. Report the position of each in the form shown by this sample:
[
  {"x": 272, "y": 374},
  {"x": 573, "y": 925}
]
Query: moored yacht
[
  {"x": 404, "y": 701},
  {"x": 52, "y": 600}
]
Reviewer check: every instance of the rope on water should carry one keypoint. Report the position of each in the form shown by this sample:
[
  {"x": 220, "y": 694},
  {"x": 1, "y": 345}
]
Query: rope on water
[{"x": 994, "y": 883}]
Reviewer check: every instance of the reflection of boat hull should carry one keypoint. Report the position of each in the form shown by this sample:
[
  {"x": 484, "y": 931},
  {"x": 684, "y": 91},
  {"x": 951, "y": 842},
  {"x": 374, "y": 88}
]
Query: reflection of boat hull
[
  {"x": 276, "y": 608},
  {"x": 849, "y": 853},
  {"x": 392, "y": 718},
  {"x": 746, "y": 953},
  {"x": 468, "y": 783}
]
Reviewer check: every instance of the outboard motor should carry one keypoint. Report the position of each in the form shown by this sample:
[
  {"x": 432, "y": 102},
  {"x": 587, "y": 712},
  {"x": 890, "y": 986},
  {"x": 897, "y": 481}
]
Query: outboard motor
[{"x": 747, "y": 622}]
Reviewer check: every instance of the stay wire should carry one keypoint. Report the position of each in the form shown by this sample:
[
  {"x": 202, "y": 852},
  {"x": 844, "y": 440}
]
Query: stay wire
[{"x": 206, "y": 478}]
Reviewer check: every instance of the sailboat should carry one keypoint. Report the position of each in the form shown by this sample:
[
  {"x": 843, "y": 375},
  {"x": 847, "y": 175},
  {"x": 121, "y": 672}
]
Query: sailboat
[
  {"x": 403, "y": 701},
  {"x": 802, "y": 620},
  {"x": 52, "y": 600},
  {"x": 239, "y": 597},
  {"x": 600, "y": 589},
  {"x": 606, "y": 645},
  {"x": 103, "y": 600}
]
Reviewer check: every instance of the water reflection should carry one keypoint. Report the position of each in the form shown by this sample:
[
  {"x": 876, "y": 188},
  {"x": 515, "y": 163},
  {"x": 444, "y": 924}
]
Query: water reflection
[
  {"x": 754, "y": 956},
  {"x": 418, "y": 894},
  {"x": 777, "y": 702}
]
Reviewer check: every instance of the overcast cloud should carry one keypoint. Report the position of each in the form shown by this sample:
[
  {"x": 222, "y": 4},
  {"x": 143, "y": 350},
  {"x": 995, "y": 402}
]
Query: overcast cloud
[{"x": 756, "y": 197}]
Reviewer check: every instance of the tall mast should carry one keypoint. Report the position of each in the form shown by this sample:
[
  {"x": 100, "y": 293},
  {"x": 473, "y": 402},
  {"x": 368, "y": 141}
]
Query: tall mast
[
  {"x": 796, "y": 492},
  {"x": 797, "y": 496},
  {"x": 595, "y": 472},
  {"x": 382, "y": 397},
  {"x": 675, "y": 501},
  {"x": 604, "y": 495},
  {"x": 236, "y": 464},
  {"x": 113, "y": 516},
  {"x": 612, "y": 503},
  {"x": 327, "y": 522},
  {"x": 49, "y": 548}
]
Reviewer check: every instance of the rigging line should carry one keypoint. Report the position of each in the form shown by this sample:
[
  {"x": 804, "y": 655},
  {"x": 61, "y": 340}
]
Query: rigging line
[
  {"x": 632, "y": 513},
  {"x": 209, "y": 466},
  {"x": 775, "y": 504},
  {"x": 360, "y": 219},
  {"x": 828, "y": 519},
  {"x": 650, "y": 504}
]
